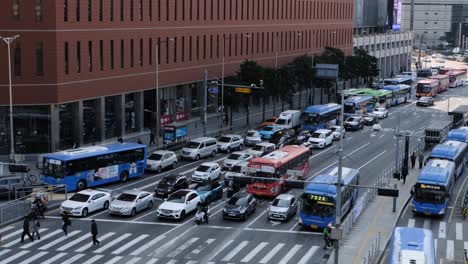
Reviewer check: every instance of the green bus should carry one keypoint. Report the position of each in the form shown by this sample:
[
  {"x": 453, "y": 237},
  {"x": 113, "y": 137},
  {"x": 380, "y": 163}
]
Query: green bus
[
  {"x": 348, "y": 93},
  {"x": 382, "y": 98}
]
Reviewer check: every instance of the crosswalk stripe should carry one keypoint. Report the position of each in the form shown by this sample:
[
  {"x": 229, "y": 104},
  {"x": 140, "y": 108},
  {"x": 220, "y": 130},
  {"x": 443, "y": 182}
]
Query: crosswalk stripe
[
  {"x": 147, "y": 245},
  {"x": 34, "y": 257},
  {"x": 57, "y": 241},
  {"x": 254, "y": 252},
  {"x": 74, "y": 242},
  {"x": 152, "y": 261},
  {"x": 202, "y": 246},
  {"x": 112, "y": 243},
  {"x": 17, "y": 255},
  {"x": 411, "y": 222},
  {"x": 18, "y": 241},
  {"x": 6, "y": 229},
  {"x": 54, "y": 258},
  {"x": 183, "y": 247},
  {"x": 427, "y": 224},
  {"x": 290, "y": 254},
  {"x": 450, "y": 249},
  {"x": 114, "y": 260},
  {"x": 459, "y": 231},
  {"x": 235, "y": 251},
  {"x": 4, "y": 251},
  {"x": 73, "y": 259},
  {"x": 129, "y": 244},
  {"x": 223, "y": 246},
  {"x": 49, "y": 235},
  {"x": 104, "y": 237},
  {"x": 465, "y": 245},
  {"x": 272, "y": 253},
  {"x": 192, "y": 262},
  {"x": 435, "y": 245},
  {"x": 134, "y": 260},
  {"x": 172, "y": 261},
  {"x": 305, "y": 259},
  {"x": 12, "y": 234},
  {"x": 442, "y": 229},
  {"x": 93, "y": 259}
]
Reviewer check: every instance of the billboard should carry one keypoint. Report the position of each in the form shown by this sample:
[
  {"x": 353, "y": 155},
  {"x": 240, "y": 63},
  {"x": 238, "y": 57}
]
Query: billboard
[{"x": 396, "y": 15}]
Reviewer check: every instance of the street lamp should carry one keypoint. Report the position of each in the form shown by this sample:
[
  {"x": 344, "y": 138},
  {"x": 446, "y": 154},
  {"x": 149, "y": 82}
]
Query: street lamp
[
  {"x": 8, "y": 41},
  {"x": 158, "y": 116}
]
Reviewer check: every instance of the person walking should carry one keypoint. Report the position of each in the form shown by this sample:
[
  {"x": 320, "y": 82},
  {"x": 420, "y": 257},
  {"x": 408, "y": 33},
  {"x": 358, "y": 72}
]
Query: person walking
[
  {"x": 94, "y": 232},
  {"x": 421, "y": 160},
  {"x": 65, "y": 223},
  {"x": 26, "y": 229},
  {"x": 120, "y": 139},
  {"x": 35, "y": 228},
  {"x": 326, "y": 236},
  {"x": 413, "y": 160},
  {"x": 152, "y": 139}
]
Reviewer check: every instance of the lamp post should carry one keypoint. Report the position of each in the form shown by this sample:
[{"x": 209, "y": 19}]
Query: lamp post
[
  {"x": 8, "y": 41},
  {"x": 158, "y": 103}
]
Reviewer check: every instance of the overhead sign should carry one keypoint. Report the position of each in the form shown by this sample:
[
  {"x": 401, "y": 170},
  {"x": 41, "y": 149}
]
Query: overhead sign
[
  {"x": 327, "y": 71},
  {"x": 243, "y": 90},
  {"x": 387, "y": 192}
]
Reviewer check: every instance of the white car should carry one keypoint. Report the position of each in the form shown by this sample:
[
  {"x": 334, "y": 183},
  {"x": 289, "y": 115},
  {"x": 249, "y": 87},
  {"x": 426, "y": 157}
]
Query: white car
[
  {"x": 252, "y": 137},
  {"x": 179, "y": 204},
  {"x": 235, "y": 158},
  {"x": 229, "y": 142},
  {"x": 336, "y": 132},
  {"x": 240, "y": 169},
  {"x": 440, "y": 61},
  {"x": 206, "y": 171},
  {"x": 380, "y": 112},
  {"x": 130, "y": 202},
  {"x": 261, "y": 149},
  {"x": 84, "y": 202},
  {"x": 321, "y": 138},
  {"x": 160, "y": 160}
]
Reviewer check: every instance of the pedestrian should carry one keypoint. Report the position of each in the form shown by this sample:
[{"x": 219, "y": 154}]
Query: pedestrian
[
  {"x": 421, "y": 160},
  {"x": 35, "y": 228},
  {"x": 326, "y": 236},
  {"x": 65, "y": 223},
  {"x": 404, "y": 174},
  {"x": 226, "y": 119},
  {"x": 413, "y": 160},
  {"x": 26, "y": 229},
  {"x": 139, "y": 141},
  {"x": 94, "y": 232},
  {"x": 152, "y": 138},
  {"x": 120, "y": 139}
]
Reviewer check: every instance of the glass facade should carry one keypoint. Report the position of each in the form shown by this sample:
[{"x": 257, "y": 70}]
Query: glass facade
[
  {"x": 68, "y": 132},
  {"x": 90, "y": 121},
  {"x": 112, "y": 116},
  {"x": 131, "y": 119},
  {"x": 149, "y": 109}
]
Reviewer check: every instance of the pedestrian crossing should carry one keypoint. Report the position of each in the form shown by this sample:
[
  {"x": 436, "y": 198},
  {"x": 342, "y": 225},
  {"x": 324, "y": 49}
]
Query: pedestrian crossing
[{"x": 56, "y": 248}]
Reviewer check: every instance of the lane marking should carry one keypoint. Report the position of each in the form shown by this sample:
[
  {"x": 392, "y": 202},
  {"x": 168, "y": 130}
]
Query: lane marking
[
  {"x": 112, "y": 243},
  {"x": 305, "y": 259},
  {"x": 74, "y": 258},
  {"x": 34, "y": 257},
  {"x": 12, "y": 258},
  {"x": 74, "y": 242},
  {"x": 235, "y": 251},
  {"x": 456, "y": 199},
  {"x": 134, "y": 260},
  {"x": 85, "y": 247},
  {"x": 4, "y": 251},
  {"x": 459, "y": 231},
  {"x": 427, "y": 224},
  {"x": 42, "y": 238},
  {"x": 321, "y": 152},
  {"x": 114, "y": 260},
  {"x": 290, "y": 254},
  {"x": 121, "y": 221},
  {"x": 14, "y": 242},
  {"x": 93, "y": 259},
  {"x": 57, "y": 241},
  {"x": 450, "y": 250},
  {"x": 54, "y": 258},
  {"x": 183, "y": 247},
  {"x": 13, "y": 234},
  {"x": 374, "y": 158},
  {"x": 158, "y": 252},
  {"x": 254, "y": 252},
  {"x": 147, "y": 245},
  {"x": 294, "y": 226},
  {"x": 201, "y": 247},
  {"x": 411, "y": 222},
  {"x": 220, "y": 249},
  {"x": 152, "y": 261},
  {"x": 272, "y": 253},
  {"x": 129, "y": 244},
  {"x": 256, "y": 218},
  {"x": 442, "y": 230}
]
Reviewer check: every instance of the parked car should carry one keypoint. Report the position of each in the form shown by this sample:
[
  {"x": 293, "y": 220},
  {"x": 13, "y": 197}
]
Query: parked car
[
  {"x": 336, "y": 132},
  {"x": 170, "y": 184},
  {"x": 199, "y": 148},
  {"x": 210, "y": 191},
  {"x": 283, "y": 207},
  {"x": 283, "y": 137},
  {"x": 84, "y": 202},
  {"x": 179, "y": 204},
  {"x": 229, "y": 142},
  {"x": 261, "y": 149},
  {"x": 354, "y": 123},
  {"x": 131, "y": 202},
  {"x": 380, "y": 112},
  {"x": 425, "y": 101},
  {"x": 240, "y": 169},
  {"x": 160, "y": 160},
  {"x": 321, "y": 138},
  {"x": 252, "y": 137},
  {"x": 370, "y": 120},
  {"x": 268, "y": 131},
  {"x": 240, "y": 206},
  {"x": 235, "y": 158},
  {"x": 206, "y": 171}
]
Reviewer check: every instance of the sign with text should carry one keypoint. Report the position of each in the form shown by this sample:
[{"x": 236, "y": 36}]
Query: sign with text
[
  {"x": 327, "y": 71},
  {"x": 243, "y": 90}
]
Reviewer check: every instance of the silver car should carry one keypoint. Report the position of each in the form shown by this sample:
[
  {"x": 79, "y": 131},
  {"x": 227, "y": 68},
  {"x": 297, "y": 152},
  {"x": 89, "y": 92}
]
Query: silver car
[
  {"x": 283, "y": 207},
  {"x": 131, "y": 202}
]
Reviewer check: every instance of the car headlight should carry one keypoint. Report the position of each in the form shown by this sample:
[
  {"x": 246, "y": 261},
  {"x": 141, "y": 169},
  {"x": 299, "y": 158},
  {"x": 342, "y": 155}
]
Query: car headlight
[
  {"x": 77, "y": 208},
  {"x": 177, "y": 211},
  {"x": 242, "y": 210},
  {"x": 300, "y": 220},
  {"x": 442, "y": 211}
]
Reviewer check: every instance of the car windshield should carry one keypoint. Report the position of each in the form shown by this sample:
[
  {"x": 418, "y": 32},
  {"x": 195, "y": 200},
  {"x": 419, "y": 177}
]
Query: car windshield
[
  {"x": 429, "y": 194},
  {"x": 280, "y": 203},
  {"x": 177, "y": 197},
  {"x": 203, "y": 168},
  {"x": 155, "y": 156},
  {"x": 257, "y": 148},
  {"x": 234, "y": 157},
  {"x": 268, "y": 128},
  {"x": 351, "y": 119},
  {"x": 192, "y": 145},
  {"x": 126, "y": 197},
  {"x": 79, "y": 197},
  {"x": 237, "y": 169},
  {"x": 334, "y": 129},
  {"x": 281, "y": 121},
  {"x": 424, "y": 99},
  {"x": 224, "y": 139},
  {"x": 241, "y": 201},
  {"x": 316, "y": 135},
  {"x": 252, "y": 134},
  {"x": 322, "y": 206},
  {"x": 169, "y": 180}
]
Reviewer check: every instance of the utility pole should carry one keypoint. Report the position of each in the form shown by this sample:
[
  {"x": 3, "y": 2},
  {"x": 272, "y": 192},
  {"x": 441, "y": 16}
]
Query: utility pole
[
  {"x": 412, "y": 16},
  {"x": 222, "y": 84},
  {"x": 419, "y": 51},
  {"x": 205, "y": 86},
  {"x": 338, "y": 184},
  {"x": 396, "y": 175},
  {"x": 460, "y": 35}
]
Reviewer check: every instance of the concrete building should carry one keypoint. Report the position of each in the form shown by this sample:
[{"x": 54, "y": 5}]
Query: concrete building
[{"x": 84, "y": 70}]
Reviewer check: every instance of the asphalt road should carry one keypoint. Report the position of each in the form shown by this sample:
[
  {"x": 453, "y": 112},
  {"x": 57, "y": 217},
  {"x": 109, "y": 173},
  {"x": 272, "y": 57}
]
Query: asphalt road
[{"x": 146, "y": 239}]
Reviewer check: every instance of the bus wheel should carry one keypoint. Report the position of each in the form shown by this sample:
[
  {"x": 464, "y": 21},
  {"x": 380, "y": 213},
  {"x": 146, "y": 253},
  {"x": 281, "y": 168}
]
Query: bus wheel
[
  {"x": 81, "y": 185},
  {"x": 124, "y": 176}
]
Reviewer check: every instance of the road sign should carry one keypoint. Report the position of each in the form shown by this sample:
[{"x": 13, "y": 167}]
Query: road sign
[
  {"x": 213, "y": 90},
  {"x": 387, "y": 192},
  {"x": 243, "y": 90}
]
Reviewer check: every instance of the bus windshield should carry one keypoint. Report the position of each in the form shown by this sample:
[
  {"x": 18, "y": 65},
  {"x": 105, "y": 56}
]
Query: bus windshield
[
  {"x": 318, "y": 205},
  {"x": 54, "y": 169},
  {"x": 424, "y": 88},
  {"x": 312, "y": 118},
  {"x": 452, "y": 78},
  {"x": 349, "y": 108},
  {"x": 425, "y": 193}
]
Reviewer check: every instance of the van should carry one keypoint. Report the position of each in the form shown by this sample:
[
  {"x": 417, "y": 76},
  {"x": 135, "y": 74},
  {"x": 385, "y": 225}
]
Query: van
[
  {"x": 411, "y": 74},
  {"x": 199, "y": 148},
  {"x": 14, "y": 184},
  {"x": 289, "y": 119}
]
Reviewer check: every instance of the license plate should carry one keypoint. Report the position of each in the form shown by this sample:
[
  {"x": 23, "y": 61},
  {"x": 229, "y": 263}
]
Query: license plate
[
  {"x": 231, "y": 214},
  {"x": 426, "y": 213},
  {"x": 313, "y": 226},
  {"x": 275, "y": 215}
]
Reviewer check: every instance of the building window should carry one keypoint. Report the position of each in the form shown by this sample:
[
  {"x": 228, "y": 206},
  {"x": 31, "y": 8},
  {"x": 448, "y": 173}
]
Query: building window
[
  {"x": 111, "y": 10},
  {"x": 65, "y": 10},
  {"x": 167, "y": 10},
  {"x": 190, "y": 48},
  {"x": 175, "y": 49},
  {"x": 158, "y": 52},
  {"x": 16, "y": 9},
  {"x": 17, "y": 60},
  {"x": 198, "y": 9},
  {"x": 40, "y": 59},
  {"x": 38, "y": 10},
  {"x": 122, "y": 54},
  {"x": 131, "y": 10},
  {"x": 141, "y": 52},
  {"x": 122, "y": 8},
  {"x": 198, "y": 48},
  {"x": 67, "y": 61},
  {"x": 112, "y": 54},
  {"x": 183, "y": 48},
  {"x": 141, "y": 10},
  {"x": 77, "y": 10},
  {"x": 204, "y": 47},
  {"x": 78, "y": 57},
  {"x": 190, "y": 8},
  {"x": 159, "y": 10},
  {"x": 90, "y": 56},
  {"x": 101, "y": 55},
  {"x": 100, "y": 10},
  {"x": 150, "y": 7},
  {"x": 167, "y": 50},
  {"x": 183, "y": 10},
  {"x": 204, "y": 10},
  {"x": 175, "y": 10},
  {"x": 211, "y": 46},
  {"x": 150, "y": 51},
  {"x": 90, "y": 11},
  {"x": 131, "y": 53}
]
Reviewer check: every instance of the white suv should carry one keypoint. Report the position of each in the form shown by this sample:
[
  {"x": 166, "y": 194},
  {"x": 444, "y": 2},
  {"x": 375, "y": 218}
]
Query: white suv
[
  {"x": 206, "y": 171},
  {"x": 84, "y": 202},
  {"x": 321, "y": 138},
  {"x": 235, "y": 158},
  {"x": 179, "y": 204},
  {"x": 229, "y": 142},
  {"x": 160, "y": 160}
]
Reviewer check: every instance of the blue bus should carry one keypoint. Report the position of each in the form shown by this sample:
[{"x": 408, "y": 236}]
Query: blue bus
[
  {"x": 317, "y": 208},
  {"x": 359, "y": 105},
  {"x": 96, "y": 165},
  {"x": 431, "y": 193},
  {"x": 459, "y": 134},
  {"x": 401, "y": 93},
  {"x": 412, "y": 245},
  {"x": 407, "y": 80},
  {"x": 453, "y": 151},
  {"x": 321, "y": 116}
]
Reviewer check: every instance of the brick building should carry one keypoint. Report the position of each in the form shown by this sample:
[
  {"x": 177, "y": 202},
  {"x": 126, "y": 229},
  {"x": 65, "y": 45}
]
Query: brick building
[{"x": 84, "y": 70}]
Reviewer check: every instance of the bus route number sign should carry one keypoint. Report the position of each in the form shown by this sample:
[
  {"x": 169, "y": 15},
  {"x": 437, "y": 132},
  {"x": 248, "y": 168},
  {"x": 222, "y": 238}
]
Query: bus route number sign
[
  {"x": 318, "y": 198},
  {"x": 433, "y": 187}
]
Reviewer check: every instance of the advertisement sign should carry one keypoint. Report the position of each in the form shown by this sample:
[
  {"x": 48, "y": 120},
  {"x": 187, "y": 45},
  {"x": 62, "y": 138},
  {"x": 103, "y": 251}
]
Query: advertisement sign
[
  {"x": 181, "y": 116},
  {"x": 103, "y": 173},
  {"x": 165, "y": 119},
  {"x": 396, "y": 15}
]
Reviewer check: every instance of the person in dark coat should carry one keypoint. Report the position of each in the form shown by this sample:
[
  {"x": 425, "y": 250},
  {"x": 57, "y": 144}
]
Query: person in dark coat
[
  {"x": 26, "y": 229},
  {"x": 65, "y": 223},
  {"x": 120, "y": 139},
  {"x": 413, "y": 160},
  {"x": 94, "y": 232},
  {"x": 152, "y": 139},
  {"x": 421, "y": 160}
]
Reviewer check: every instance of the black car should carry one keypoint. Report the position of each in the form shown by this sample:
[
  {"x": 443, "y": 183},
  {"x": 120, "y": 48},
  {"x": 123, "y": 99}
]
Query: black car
[
  {"x": 370, "y": 120},
  {"x": 283, "y": 137},
  {"x": 302, "y": 138},
  {"x": 170, "y": 184},
  {"x": 354, "y": 123},
  {"x": 424, "y": 73},
  {"x": 240, "y": 206},
  {"x": 425, "y": 101}
]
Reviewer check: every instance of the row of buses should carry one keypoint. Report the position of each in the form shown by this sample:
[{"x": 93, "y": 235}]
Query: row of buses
[{"x": 439, "y": 83}]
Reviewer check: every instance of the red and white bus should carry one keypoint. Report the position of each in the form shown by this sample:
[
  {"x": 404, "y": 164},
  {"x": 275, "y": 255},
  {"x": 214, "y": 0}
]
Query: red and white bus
[
  {"x": 427, "y": 87},
  {"x": 443, "y": 82},
  {"x": 456, "y": 78},
  {"x": 271, "y": 170},
  {"x": 447, "y": 70}
]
